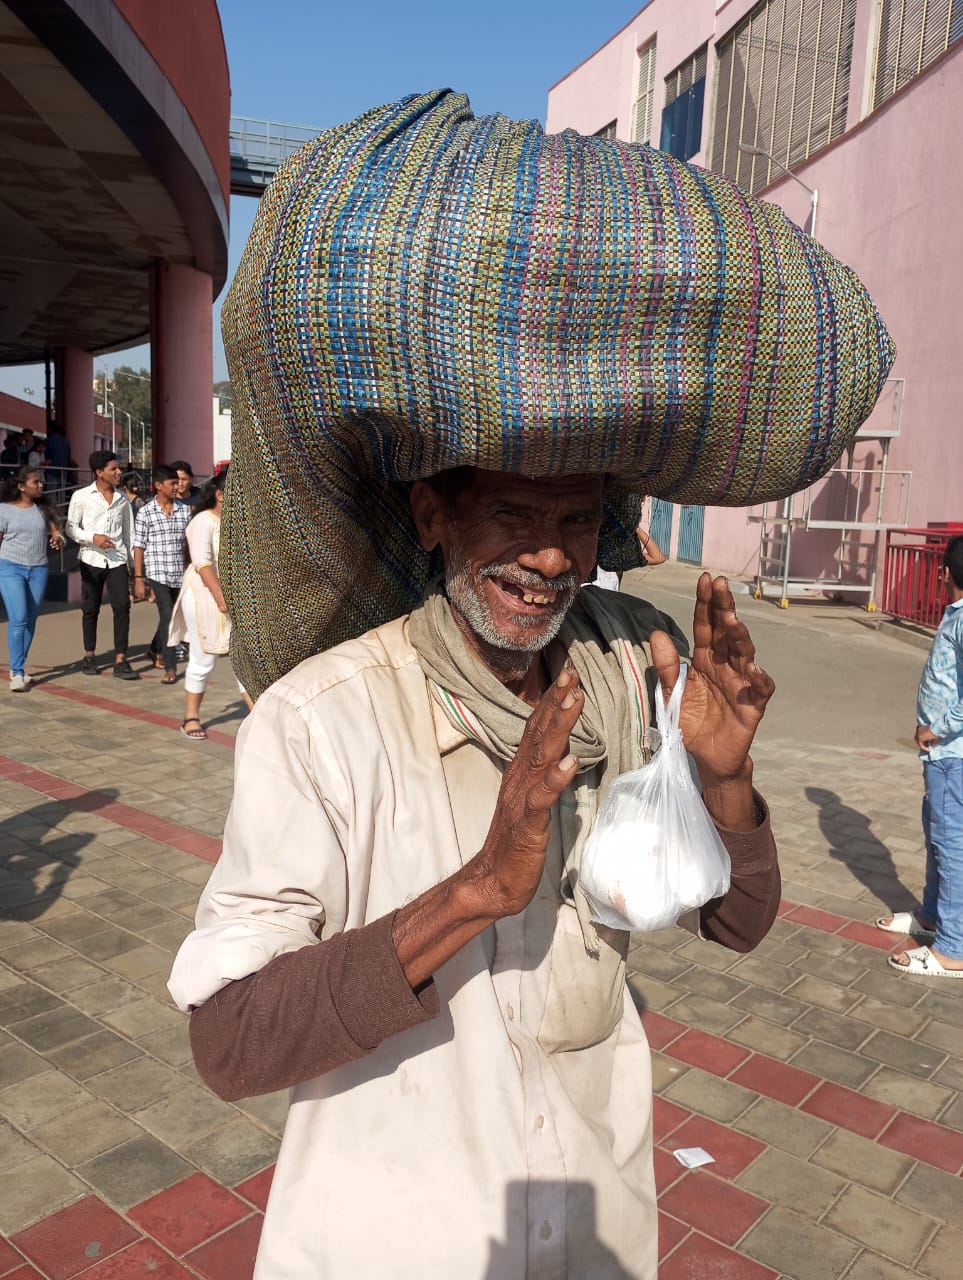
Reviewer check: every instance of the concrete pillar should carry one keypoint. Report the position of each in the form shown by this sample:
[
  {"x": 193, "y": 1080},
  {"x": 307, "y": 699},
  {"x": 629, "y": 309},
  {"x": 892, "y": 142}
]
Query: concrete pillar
[
  {"x": 182, "y": 365},
  {"x": 75, "y": 401}
]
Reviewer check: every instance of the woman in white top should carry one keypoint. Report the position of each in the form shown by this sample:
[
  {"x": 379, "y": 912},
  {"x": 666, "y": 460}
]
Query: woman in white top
[
  {"x": 27, "y": 529},
  {"x": 200, "y": 614}
]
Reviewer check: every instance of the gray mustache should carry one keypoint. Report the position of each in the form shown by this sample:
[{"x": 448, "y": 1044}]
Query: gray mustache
[{"x": 528, "y": 580}]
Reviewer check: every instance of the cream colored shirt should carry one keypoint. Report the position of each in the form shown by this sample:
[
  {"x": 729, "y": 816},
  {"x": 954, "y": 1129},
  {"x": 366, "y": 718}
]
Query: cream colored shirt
[{"x": 507, "y": 1139}]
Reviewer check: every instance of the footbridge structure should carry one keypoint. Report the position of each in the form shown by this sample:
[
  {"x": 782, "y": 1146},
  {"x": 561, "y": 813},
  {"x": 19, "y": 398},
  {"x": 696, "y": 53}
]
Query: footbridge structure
[{"x": 258, "y": 147}]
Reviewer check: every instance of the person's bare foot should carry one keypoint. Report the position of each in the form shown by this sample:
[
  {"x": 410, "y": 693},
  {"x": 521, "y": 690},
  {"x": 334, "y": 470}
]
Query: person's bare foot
[{"x": 902, "y": 959}]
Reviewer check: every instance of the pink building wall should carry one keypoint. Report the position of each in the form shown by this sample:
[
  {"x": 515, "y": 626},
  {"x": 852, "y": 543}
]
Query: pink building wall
[{"x": 890, "y": 196}]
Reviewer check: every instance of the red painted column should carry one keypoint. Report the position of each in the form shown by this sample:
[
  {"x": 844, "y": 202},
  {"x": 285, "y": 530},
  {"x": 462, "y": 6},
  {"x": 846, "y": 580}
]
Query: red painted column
[
  {"x": 182, "y": 365},
  {"x": 75, "y": 401}
]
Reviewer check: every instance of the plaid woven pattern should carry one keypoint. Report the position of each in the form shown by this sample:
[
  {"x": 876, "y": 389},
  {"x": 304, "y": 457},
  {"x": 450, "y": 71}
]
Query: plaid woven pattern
[{"x": 424, "y": 290}]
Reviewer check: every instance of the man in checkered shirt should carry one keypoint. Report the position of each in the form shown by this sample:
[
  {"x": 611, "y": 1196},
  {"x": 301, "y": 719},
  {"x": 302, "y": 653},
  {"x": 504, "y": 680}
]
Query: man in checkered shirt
[{"x": 159, "y": 538}]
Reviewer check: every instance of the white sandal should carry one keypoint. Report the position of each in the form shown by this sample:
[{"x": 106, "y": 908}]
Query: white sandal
[
  {"x": 906, "y": 923},
  {"x": 923, "y": 963}
]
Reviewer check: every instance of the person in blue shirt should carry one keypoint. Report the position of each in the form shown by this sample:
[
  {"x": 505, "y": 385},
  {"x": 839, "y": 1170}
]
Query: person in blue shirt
[{"x": 939, "y": 735}]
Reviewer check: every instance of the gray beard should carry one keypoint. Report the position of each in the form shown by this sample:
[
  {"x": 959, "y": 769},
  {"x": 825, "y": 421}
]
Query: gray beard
[{"x": 509, "y": 661}]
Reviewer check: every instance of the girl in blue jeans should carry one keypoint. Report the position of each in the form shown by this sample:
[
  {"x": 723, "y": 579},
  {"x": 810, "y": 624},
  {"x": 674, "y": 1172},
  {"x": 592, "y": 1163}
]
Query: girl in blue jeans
[{"x": 27, "y": 529}]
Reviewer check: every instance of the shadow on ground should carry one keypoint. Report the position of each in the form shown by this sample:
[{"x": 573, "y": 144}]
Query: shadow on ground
[
  {"x": 851, "y": 842},
  {"x": 34, "y": 868}
]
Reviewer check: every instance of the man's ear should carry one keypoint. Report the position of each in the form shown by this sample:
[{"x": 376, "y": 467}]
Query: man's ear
[{"x": 430, "y": 512}]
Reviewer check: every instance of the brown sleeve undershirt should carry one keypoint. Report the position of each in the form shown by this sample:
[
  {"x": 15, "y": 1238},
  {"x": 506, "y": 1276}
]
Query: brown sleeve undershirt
[
  {"x": 744, "y": 916},
  {"x": 310, "y": 1011},
  {"x": 306, "y": 1013}
]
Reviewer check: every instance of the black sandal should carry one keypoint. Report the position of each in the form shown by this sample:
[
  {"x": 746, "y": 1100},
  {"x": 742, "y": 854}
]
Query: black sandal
[{"x": 196, "y": 735}]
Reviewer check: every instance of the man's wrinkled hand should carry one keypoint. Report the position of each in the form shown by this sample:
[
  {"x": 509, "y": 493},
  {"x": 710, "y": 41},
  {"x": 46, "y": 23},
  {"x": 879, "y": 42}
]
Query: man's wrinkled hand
[
  {"x": 725, "y": 693},
  {"x": 509, "y": 867}
]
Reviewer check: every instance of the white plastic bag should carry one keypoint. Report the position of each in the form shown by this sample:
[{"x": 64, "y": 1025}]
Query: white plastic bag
[{"x": 653, "y": 852}]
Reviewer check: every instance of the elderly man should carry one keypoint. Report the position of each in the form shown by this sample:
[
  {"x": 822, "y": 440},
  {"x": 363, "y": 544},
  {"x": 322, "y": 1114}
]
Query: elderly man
[
  {"x": 453, "y": 354},
  {"x": 451, "y": 1026}
]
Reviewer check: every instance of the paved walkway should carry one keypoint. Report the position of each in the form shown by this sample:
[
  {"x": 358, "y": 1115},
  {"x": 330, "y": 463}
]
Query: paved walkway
[{"x": 826, "y": 1088}]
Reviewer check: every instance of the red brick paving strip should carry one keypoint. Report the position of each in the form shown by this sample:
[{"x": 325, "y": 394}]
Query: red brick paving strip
[
  {"x": 671, "y": 1233},
  {"x": 124, "y": 709},
  {"x": 9, "y": 1258},
  {"x": 848, "y": 1110},
  {"x": 713, "y": 1206},
  {"x": 924, "y": 1140},
  {"x": 231, "y": 1256},
  {"x": 144, "y": 1259},
  {"x": 125, "y": 815},
  {"x": 73, "y": 1239},
  {"x": 698, "y": 1258},
  {"x": 774, "y": 1079},
  {"x": 733, "y": 1152},
  {"x": 189, "y": 1213}
]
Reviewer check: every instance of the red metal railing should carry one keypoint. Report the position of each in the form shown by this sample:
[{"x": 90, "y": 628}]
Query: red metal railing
[{"x": 913, "y": 573}]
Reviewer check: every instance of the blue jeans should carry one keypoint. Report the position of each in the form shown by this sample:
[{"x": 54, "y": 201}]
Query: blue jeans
[
  {"x": 943, "y": 831},
  {"x": 22, "y": 588}
]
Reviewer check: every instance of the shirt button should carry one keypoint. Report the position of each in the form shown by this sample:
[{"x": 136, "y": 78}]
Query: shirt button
[
  {"x": 539, "y": 1122},
  {"x": 510, "y": 1010}
]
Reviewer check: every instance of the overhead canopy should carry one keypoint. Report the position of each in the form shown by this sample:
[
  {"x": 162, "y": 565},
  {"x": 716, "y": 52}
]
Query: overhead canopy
[{"x": 102, "y": 175}]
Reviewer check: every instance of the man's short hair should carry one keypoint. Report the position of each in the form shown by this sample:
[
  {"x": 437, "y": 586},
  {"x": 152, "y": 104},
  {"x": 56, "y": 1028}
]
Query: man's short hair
[
  {"x": 100, "y": 458},
  {"x": 953, "y": 559},
  {"x": 181, "y": 465},
  {"x": 164, "y": 471},
  {"x": 450, "y": 485}
]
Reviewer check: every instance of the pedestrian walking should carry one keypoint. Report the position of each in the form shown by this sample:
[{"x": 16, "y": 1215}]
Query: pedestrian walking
[
  {"x": 200, "y": 612},
  {"x": 159, "y": 540},
  {"x": 132, "y": 485},
  {"x": 187, "y": 490},
  {"x": 938, "y": 924},
  {"x": 27, "y": 529},
  {"x": 99, "y": 519}
]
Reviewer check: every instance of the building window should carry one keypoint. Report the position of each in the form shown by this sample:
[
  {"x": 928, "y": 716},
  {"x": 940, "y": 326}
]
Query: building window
[
  {"x": 645, "y": 92},
  {"x": 912, "y": 34},
  {"x": 782, "y": 85},
  {"x": 685, "y": 92},
  {"x": 607, "y": 131}
]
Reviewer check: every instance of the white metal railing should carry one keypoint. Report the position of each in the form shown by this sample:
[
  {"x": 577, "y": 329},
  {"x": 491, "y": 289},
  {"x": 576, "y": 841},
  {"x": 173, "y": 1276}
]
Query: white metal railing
[{"x": 263, "y": 144}]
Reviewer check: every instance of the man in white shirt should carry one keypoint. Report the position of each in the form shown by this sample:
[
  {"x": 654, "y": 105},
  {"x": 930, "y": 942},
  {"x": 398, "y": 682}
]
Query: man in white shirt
[{"x": 99, "y": 519}]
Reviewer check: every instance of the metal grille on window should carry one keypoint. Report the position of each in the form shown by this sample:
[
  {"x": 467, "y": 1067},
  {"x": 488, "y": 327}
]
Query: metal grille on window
[
  {"x": 912, "y": 34},
  {"x": 607, "y": 131},
  {"x": 642, "y": 110},
  {"x": 782, "y": 85}
]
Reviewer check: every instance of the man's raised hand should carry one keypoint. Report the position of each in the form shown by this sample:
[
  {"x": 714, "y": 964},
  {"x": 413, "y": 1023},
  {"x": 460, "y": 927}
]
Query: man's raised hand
[
  {"x": 725, "y": 693},
  {"x": 513, "y": 855}
]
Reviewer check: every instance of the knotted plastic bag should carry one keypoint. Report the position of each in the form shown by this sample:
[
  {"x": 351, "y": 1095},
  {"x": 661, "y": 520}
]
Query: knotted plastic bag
[{"x": 654, "y": 853}]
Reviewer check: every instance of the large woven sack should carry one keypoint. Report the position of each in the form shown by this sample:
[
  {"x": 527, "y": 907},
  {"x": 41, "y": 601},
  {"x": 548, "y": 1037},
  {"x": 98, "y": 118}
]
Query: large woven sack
[{"x": 424, "y": 290}]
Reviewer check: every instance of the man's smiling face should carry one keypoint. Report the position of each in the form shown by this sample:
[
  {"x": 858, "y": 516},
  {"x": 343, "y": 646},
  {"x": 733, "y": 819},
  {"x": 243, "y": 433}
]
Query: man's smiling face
[{"x": 516, "y": 551}]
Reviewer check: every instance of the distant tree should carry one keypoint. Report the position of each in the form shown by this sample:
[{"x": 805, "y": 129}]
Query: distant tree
[
  {"x": 223, "y": 392},
  {"x": 128, "y": 390}
]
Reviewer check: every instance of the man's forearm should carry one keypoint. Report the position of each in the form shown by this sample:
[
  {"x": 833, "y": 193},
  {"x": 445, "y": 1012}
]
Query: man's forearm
[
  {"x": 730, "y": 803},
  {"x": 306, "y": 1013},
  {"x": 436, "y": 926}
]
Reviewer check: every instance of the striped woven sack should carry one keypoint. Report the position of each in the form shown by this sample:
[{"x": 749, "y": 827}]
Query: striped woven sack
[{"x": 424, "y": 290}]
